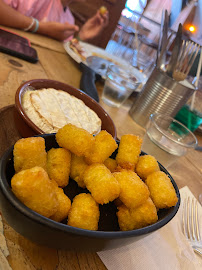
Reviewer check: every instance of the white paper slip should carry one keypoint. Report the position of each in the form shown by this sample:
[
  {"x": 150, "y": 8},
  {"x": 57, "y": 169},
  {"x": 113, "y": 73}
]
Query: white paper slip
[{"x": 166, "y": 248}]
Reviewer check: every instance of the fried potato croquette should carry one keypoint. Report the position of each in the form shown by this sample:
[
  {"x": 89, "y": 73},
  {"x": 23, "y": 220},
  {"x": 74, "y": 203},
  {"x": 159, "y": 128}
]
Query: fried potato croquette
[
  {"x": 78, "y": 166},
  {"x": 129, "y": 151},
  {"x": 58, "y": 165},
  {"x": 146, "y": 165},
  {"x": 101, "y": 183},
  {"x": 29, "y": 153},
  {"x": 84, "y": 212},
  {"x": 64, "y": 204},
  {"x": 139, "y": 217},
  {"x": 161, "y": 189},
  {"x": 124, "y": 218},
  {"x": 133, "y": 192},
  {"x": 77, "y": 140},
  {"x": 104, "y": 145},
  {"x": 40, "y": 177},
  {"x": 34, "y": 188},
  {"x": 103, "y": 10},
  {"x": 111, "y": 164}
]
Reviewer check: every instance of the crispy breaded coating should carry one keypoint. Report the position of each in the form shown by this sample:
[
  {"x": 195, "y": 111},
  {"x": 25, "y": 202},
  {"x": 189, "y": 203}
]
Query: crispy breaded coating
[
  {"x": 124, "y": 218},
  {"x": 144, "y": 215},
  {"x": 146, "y": 165},
  {"x": 77, "y": 140},
  {"x": 34, "y": 188},
  {"x": 133, "y": 192},
  {"x": 29, "y": 153},
  {"x": 58, "y": 165},
  {"x": 84, "y": 212},
  {"x": 101, "y": 183},
  {"x": 104, "y": 145},
  {"x": 119, "y": 169},
  {"x": 129, "y": 151},
  {"x": 111, "y": 164},
  {"x": 161, "y": 189},
  {"x": 64, "y": 204},
  {"x": 139, "y": 217},
  {"x": 78, "y": 166}
]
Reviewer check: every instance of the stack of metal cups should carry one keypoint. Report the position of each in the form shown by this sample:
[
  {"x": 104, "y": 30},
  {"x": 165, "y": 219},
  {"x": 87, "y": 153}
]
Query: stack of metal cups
[{"x": 161, "y": 94}]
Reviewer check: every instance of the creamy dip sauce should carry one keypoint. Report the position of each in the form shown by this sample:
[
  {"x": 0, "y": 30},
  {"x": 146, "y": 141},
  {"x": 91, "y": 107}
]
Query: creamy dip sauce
[{"x": 51, "y": 109}]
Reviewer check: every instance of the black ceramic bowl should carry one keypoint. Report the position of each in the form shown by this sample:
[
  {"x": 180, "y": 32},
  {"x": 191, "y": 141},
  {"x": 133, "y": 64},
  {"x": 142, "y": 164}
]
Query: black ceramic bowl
[{"x": 59, "y": 235}]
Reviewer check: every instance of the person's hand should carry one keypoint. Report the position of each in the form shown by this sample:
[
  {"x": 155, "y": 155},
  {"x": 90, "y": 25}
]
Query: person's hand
[
  {"x": 94, "y": 26},
  {"x": 59, "y": 31}
]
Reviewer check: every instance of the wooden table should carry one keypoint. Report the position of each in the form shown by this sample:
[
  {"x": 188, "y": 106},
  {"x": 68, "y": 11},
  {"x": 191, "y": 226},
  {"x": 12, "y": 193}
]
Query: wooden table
[{"x": 54, "y": 63}]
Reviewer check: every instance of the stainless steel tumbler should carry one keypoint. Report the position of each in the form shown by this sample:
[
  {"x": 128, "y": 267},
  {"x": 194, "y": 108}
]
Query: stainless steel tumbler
[{"x": 161, "y": 94}]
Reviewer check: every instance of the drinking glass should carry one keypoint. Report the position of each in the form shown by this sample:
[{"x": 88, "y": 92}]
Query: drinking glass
[
  {"x": 143, "y": 62},
  {"x": 119, "y": 85},
  {"x": 167, "y": 139}
]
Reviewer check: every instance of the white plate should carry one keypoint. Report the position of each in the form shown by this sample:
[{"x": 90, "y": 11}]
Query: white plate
[{"x": 93, "y": 50}]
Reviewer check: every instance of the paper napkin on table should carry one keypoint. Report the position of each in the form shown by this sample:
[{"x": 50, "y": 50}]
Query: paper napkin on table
[{"x": 164, "y": 249}]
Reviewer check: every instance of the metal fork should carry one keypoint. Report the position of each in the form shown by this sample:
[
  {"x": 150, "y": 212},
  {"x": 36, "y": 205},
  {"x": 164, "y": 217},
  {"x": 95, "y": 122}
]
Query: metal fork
[
  {"x": 190, "y": 222},
  {"x": 187, "y": 55}
]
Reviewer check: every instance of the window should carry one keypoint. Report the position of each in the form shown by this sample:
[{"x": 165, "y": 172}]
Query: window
[{"x": 131, "y": 5}]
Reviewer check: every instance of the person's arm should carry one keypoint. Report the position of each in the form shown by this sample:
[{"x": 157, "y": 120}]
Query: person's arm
[
  {"x": 94, "y": 26},
  {"x": 12, "y": 18}
]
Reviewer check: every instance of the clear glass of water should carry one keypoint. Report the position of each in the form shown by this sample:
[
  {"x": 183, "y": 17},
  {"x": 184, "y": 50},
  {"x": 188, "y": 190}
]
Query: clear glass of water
[
  {"x": 119, "y": 85},
  {"x": 167, "y": 139}
]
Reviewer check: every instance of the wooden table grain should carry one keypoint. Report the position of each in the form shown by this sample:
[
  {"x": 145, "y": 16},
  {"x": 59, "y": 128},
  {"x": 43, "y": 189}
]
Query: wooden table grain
[{"x": 54, "y": 63}]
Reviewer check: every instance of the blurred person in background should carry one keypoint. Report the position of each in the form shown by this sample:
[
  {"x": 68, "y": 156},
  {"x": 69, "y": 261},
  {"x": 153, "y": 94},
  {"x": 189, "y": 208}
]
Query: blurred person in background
[{"x": 51, "y": 18}]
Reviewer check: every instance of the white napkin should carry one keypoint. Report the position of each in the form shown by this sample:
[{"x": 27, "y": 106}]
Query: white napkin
[{"x": 166, "y": 248}]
